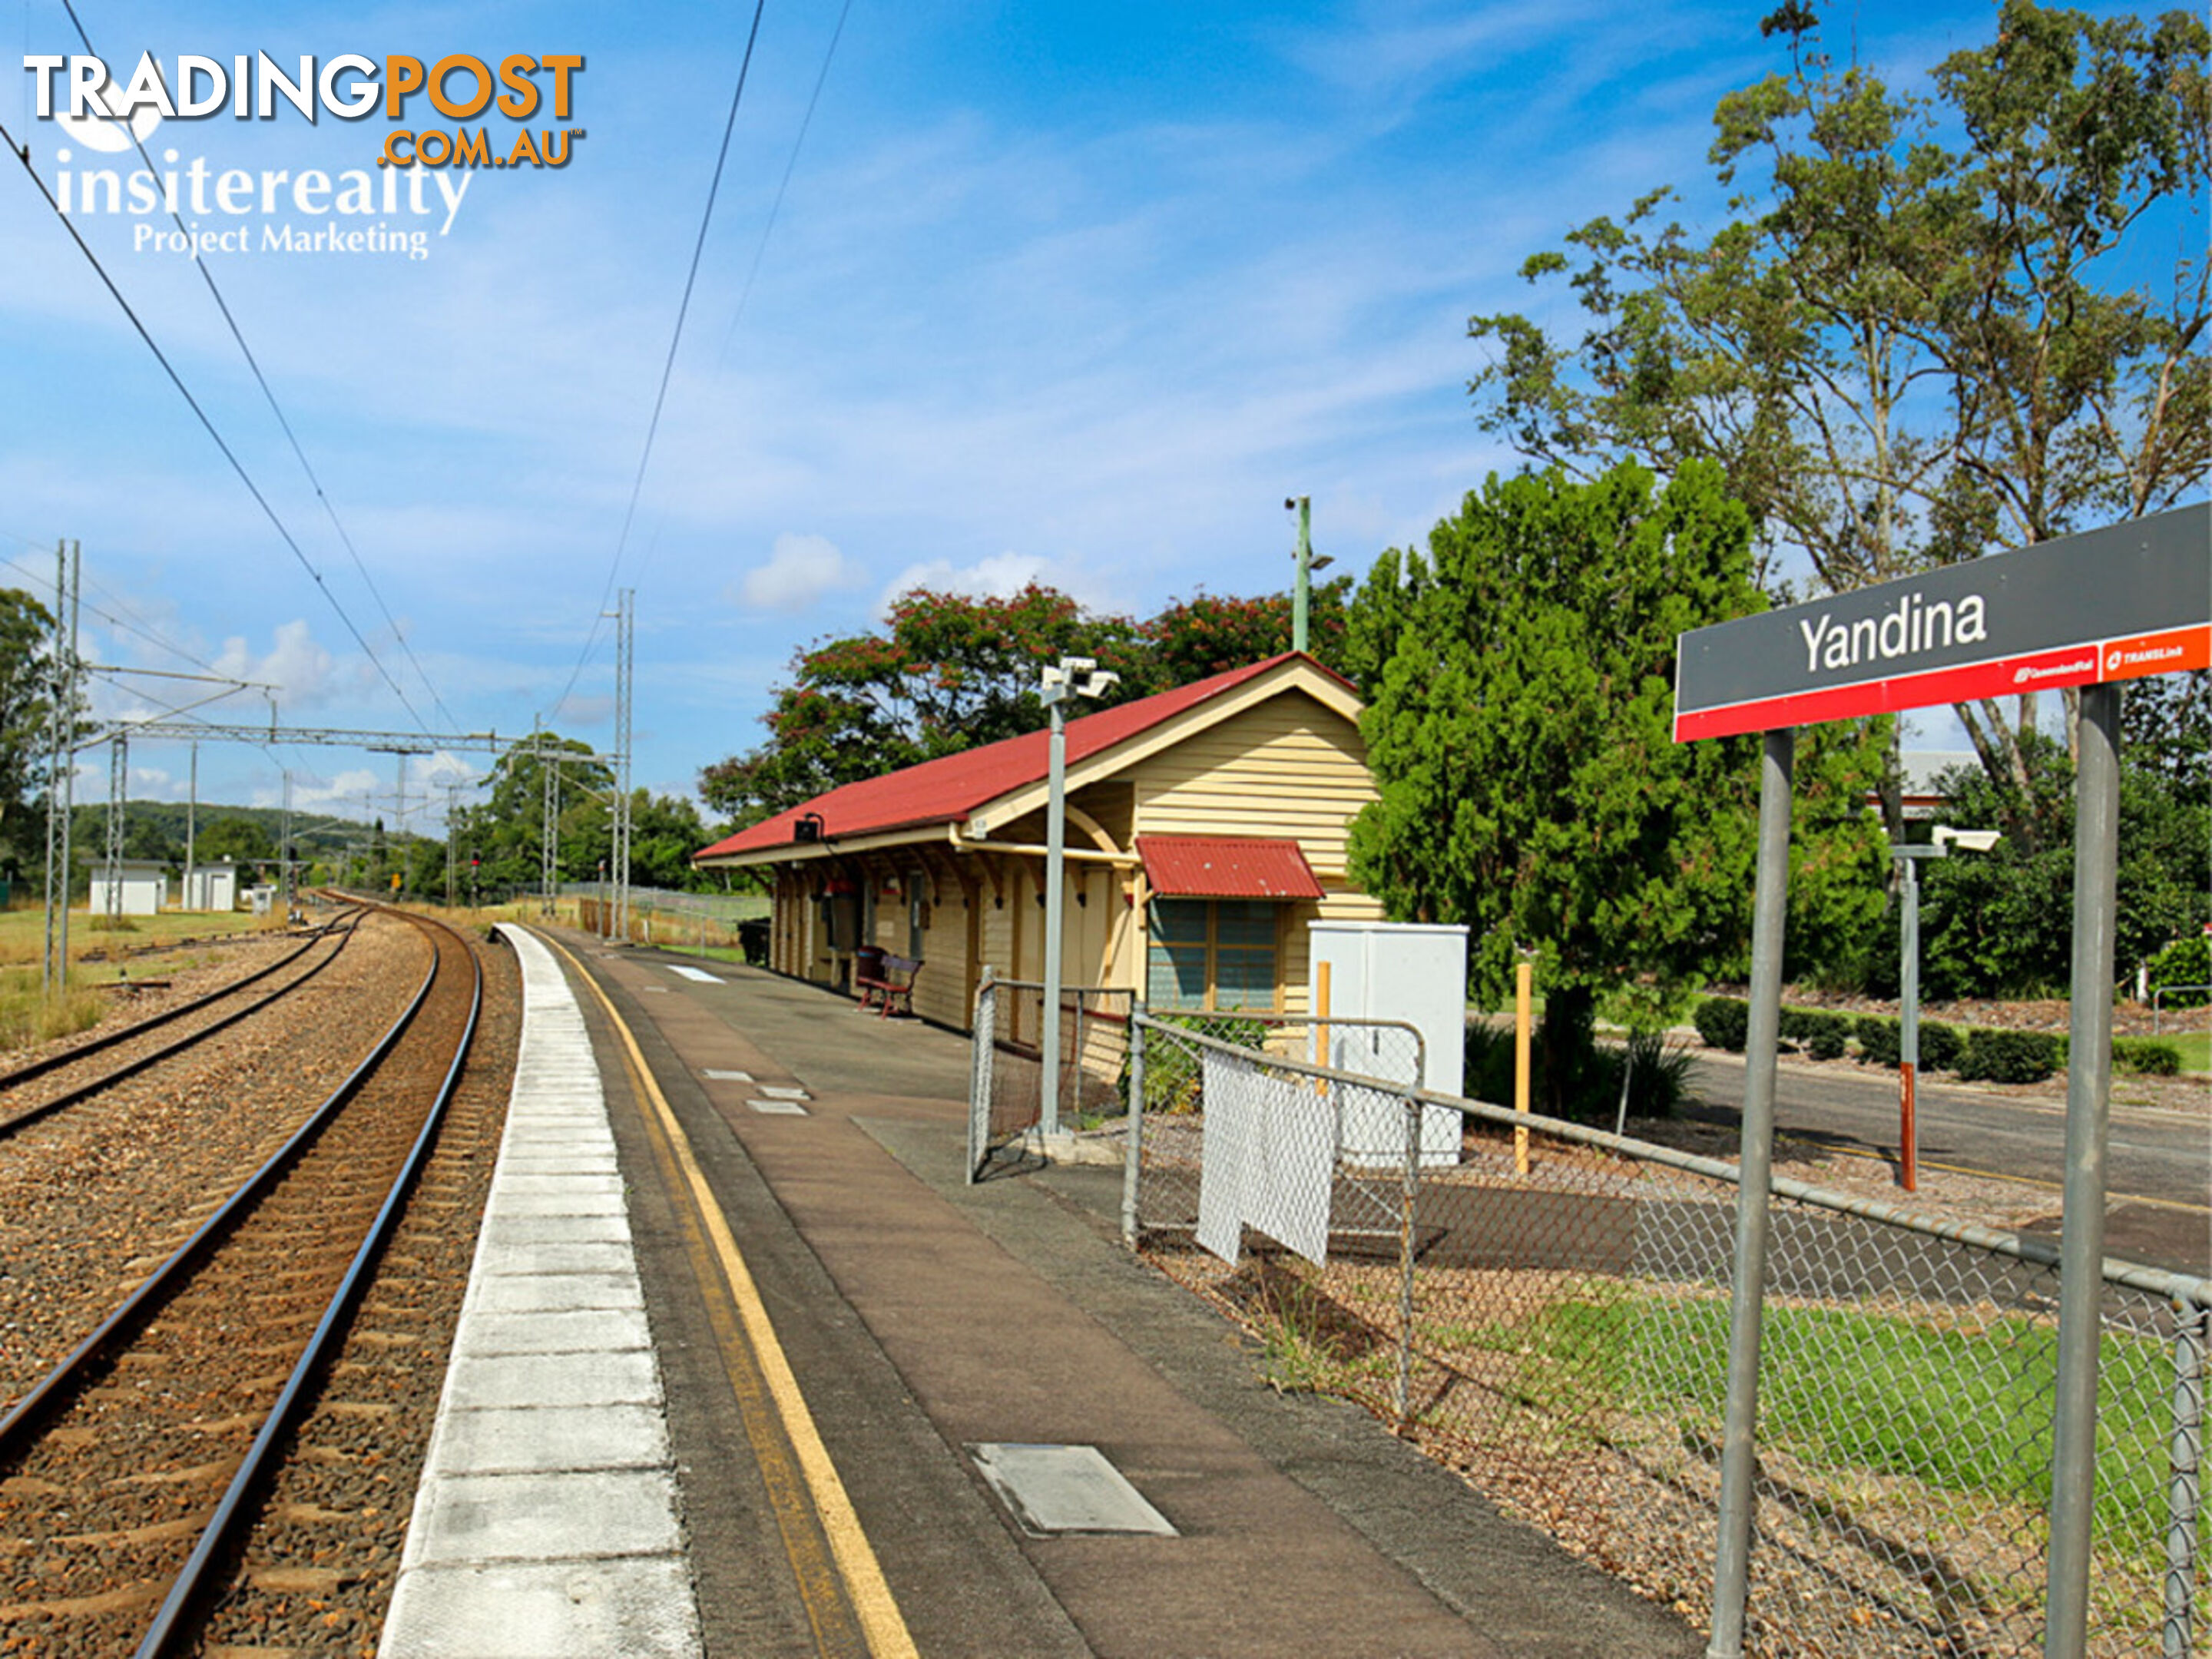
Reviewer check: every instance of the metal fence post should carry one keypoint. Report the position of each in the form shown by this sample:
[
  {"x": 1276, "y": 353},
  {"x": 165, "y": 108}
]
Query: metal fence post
[
  {"x": 979, "y": 1075},
  {"x": 2185, "y": 1490},
  {"x": 1739, "y": 1446},
  {"x": 2081, "y": 1234},
  {"x": 1133, "y": 1130},
  {"x": 1403, "y": 1393}
]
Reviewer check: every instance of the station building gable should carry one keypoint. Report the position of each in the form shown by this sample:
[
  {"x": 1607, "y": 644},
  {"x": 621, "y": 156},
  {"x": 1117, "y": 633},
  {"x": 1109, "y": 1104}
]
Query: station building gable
[{"x": 1205, "y": 826}]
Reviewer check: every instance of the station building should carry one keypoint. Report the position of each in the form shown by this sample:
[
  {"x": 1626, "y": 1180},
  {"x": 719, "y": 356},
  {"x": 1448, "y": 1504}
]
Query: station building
[{"x": 1206, "y": 827}]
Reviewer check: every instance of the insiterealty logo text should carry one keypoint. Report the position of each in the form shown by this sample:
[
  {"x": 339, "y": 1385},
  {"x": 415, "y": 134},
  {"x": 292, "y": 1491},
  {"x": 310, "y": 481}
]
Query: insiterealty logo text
[{"x": 88, "y": 106}]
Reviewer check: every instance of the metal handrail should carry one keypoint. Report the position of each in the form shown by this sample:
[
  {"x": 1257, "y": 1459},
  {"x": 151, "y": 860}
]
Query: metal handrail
[
  {"x": 1150, "y": 1021},
  {"x": 2161, "y": 991}
]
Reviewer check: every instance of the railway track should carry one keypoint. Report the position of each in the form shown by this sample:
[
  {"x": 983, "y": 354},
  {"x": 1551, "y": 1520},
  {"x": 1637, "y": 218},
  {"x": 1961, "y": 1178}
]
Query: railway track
[
  {"x": 29, "y": 1094},
  {"x": 126, "y": 1473}
]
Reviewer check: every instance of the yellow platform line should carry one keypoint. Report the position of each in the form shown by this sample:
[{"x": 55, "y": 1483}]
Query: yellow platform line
[{"x": 870, "y": 1593}]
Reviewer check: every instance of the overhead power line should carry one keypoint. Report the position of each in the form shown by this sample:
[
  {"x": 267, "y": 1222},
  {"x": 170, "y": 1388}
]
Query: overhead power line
[
  {"x": 668, "y": 367},
  {"x": 789, "y": 167},
  {"x": 253, "y": 363}
]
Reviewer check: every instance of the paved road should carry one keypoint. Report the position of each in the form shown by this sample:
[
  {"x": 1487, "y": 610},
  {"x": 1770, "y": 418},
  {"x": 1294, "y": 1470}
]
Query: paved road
[{"x": 2154, "y": 1155}]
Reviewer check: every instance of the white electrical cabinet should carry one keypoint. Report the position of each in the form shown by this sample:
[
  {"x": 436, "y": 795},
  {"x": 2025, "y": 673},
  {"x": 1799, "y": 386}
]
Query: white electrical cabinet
[{"x": 1408, "y": 971}]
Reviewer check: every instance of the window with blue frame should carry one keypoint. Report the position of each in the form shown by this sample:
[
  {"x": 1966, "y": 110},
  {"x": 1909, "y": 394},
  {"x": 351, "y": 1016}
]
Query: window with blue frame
[{"x": 1213, "y": 954}]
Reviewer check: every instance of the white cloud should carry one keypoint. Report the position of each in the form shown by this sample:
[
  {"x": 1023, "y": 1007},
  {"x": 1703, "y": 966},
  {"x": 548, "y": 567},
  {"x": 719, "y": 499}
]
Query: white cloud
[
  {"x": 347, "y": 791},
  {"x": 800, "y": 570},
  {"x": 300, "y": 670},
  {"x": 998, "y": 577}
]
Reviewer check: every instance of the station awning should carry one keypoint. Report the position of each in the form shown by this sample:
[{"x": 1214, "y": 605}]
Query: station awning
[{"x": 1227, "y": 867}]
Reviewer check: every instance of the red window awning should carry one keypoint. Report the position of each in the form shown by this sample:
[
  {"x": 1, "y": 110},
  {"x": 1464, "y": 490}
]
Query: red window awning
[{"x": 1227, "y": 867}]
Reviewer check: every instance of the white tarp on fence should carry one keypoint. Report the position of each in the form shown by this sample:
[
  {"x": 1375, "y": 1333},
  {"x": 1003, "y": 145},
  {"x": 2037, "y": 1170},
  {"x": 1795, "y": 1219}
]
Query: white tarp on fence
[{"x": 1267, "y": 1160}]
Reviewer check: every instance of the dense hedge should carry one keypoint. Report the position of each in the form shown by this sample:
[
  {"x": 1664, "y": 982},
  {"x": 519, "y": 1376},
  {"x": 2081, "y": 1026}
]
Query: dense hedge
[
  {"x": 1995, "y": 1056},
  {"x": 1820, "y": 1034},
  {"x": 1723, "y": 1022},
  {"x": 2147, "y": 1056},
  {"x": 1881, "y": 1040},
  {"x": 1977, "y": 1052},
  {"x": 1940, "y": 1047}
]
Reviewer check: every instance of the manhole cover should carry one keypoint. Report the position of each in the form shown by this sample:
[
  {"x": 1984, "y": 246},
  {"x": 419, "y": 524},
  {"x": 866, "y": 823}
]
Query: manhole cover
[{"x": 1051, "y": 1491}]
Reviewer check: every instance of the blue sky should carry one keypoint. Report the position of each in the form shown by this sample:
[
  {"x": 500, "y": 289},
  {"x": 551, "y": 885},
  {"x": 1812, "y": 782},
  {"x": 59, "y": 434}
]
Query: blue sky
[{"x": 1072, "y": 292}]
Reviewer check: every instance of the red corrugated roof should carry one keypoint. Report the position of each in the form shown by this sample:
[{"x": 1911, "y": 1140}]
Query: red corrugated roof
[
  {"x": 942, "y": 791},
  {"x": 1227, "y": 867}
]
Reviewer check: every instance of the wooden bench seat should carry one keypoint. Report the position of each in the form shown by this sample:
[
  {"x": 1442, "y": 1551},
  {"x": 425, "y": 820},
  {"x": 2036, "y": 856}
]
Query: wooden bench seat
[{"x": 885, "y": 982}]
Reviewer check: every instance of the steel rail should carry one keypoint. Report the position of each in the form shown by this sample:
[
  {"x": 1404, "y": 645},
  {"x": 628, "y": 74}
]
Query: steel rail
[
  {"x": 38, "y": 1068},
  {"x": 85, "y": 1090},
  {"x": 17, "y": 1427},
  {"x": 235, "y": 1510}
]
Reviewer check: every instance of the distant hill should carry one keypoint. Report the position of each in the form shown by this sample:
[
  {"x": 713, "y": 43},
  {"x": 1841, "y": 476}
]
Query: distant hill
[{"x": 155, "y": 830}]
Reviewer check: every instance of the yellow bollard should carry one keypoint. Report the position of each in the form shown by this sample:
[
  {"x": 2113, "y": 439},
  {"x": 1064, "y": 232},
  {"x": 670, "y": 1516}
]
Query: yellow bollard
[{"x": 1524, "y": 982}]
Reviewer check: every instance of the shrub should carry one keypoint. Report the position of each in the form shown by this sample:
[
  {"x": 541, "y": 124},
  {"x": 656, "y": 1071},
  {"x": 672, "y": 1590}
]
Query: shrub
[
  {"x": 2184, "y": 962},
  {"x": 1940, "y": 1047},
  {"x": 1489, "y": 1074},
  {"x": 1723, "y": 1022},
  {"x": 1658, "y": 1075},
  {"x": 1825, "y": 1033},
  {"x": 2003, "y": 1056},
  {"x": 1880, "y": 1040},
  {"x": 2147, "y": 1056}
]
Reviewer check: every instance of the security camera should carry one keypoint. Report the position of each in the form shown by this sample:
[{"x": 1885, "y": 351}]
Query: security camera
[{"x": 1974, "y": 841}]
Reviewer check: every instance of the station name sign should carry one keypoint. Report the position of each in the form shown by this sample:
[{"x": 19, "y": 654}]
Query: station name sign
[{"x": 2107, "y": 604}]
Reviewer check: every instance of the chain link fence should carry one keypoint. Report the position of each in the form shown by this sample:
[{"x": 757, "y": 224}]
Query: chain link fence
[
  {"x": 1546, "y": 1307},
  {"x": 1006, "y": 1103},
  {"x": 681, "y": 921}
]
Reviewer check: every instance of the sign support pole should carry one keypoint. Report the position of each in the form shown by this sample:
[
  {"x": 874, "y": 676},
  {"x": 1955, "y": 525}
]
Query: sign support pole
[
  {"x": 1739, "y": 1448},
  {"x": 2082, "y": 1225}
]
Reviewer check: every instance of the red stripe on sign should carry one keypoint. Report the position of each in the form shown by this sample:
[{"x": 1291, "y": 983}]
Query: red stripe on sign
[
  {"x": 2075, "y": 666},
  {"x": 2174, "y": 652}
]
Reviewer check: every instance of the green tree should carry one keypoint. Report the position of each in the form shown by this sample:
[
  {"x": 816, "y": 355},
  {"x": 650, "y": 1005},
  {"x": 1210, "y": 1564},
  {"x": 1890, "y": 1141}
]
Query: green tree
[
  {"x": 1211, "y": 634},
  {"x": 26, "y": 704},
  {"x": 1519, "y": 678},
  {"x": 1922, "y": 335},
  {"x": 240, "y": 839},
  {"x": 1998, "y": 923},
  {"x": 505, "y": 832},
  {"x": 948, "y": 673}
]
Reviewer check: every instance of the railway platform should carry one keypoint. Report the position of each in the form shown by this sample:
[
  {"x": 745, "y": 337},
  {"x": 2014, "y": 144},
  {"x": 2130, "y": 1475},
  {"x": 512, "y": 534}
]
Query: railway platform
[{"x": 741, "y": 1345}]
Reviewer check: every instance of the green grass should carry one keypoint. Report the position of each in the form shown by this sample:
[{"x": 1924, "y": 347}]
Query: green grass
[
  {"x": 23, "y": 932},
  {"x": 2196, "y": 1048},
  {"x": 1964, "y": 1408}
]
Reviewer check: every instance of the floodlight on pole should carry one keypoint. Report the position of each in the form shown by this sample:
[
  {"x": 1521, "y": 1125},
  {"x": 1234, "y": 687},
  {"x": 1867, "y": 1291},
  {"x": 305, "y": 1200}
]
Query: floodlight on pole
[
  {"x": 1908, "y": 989},
  {"x": 1057, "y": 684}
]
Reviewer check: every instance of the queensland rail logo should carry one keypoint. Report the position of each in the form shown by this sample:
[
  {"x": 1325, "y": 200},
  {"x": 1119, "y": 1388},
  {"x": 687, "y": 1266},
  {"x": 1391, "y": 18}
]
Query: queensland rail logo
[{"x": 407, "y": 192}]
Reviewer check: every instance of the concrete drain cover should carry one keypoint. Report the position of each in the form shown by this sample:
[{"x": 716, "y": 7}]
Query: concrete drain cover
[{"x": 1051, "y": 1491}]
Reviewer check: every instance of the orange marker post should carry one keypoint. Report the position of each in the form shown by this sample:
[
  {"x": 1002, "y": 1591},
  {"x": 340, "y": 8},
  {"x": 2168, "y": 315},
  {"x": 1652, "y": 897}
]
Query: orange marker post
[{"x": 1524, "y": 983}]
